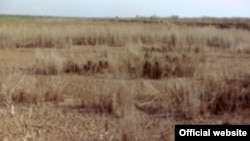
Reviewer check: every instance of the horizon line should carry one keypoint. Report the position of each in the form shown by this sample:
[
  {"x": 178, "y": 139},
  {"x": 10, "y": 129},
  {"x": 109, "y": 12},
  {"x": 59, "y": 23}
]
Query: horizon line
[{"x": 135, "y": 16}]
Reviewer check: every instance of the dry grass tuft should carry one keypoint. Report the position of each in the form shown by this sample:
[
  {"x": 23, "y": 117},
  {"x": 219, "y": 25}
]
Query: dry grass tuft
[
  {"x": 188, "y": 98},
  {"x": 107, "y": 100},
  {"x": 51, "y": 63},
  {"x": 229, "y": 95},
  {"x": 31, "y": 90},
  {"x": 179, "y": 62},
  {"x": 181, "y": 99}
]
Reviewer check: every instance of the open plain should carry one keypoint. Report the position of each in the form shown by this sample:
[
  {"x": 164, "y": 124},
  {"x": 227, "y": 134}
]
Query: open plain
[{"x": 120, "y": 79}]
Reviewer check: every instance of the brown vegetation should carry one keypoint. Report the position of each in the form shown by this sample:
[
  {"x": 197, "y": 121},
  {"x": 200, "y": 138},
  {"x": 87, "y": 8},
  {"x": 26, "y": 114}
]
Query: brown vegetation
[{"x": 120, "y": 79}]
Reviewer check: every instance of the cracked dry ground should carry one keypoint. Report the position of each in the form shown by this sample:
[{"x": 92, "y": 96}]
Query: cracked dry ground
[{"x": 109, "y": 118}]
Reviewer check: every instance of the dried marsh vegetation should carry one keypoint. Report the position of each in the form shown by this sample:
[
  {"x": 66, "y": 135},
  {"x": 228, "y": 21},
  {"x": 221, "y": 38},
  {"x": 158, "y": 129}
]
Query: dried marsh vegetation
[
  {"x": 46, "y": 33},
  {"x": 138, "y": 62},
  {"x": 92, "y": 79}
]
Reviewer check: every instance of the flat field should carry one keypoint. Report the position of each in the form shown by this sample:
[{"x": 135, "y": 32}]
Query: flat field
[{"x": 120, "y": 79}]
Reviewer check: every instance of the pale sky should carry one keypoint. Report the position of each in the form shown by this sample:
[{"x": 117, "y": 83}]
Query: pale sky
[{"x": 127, "y": 8}]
